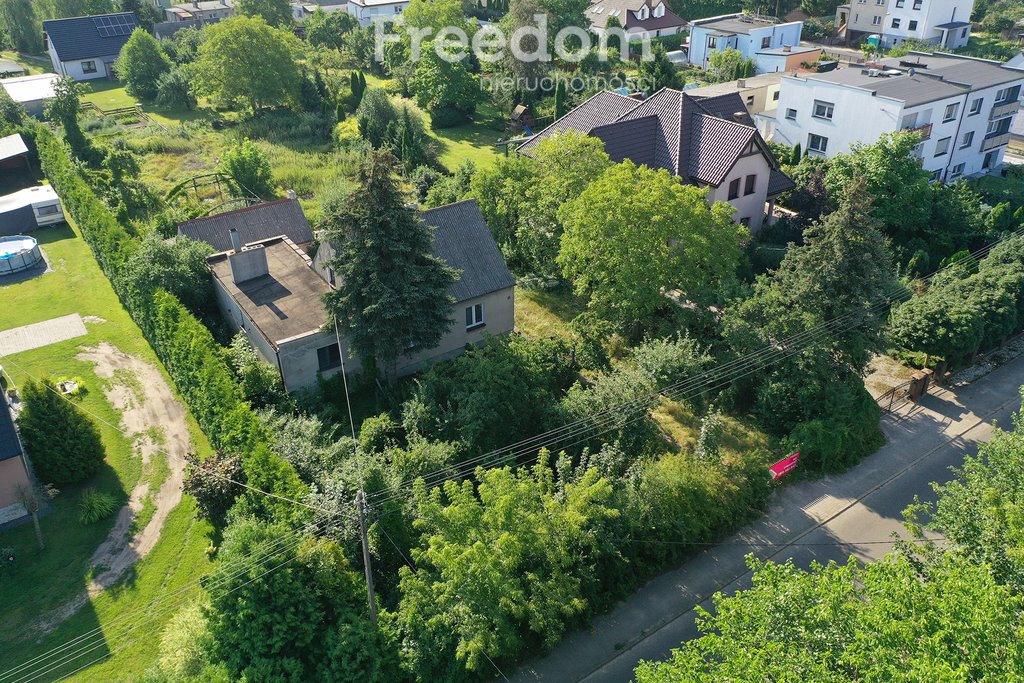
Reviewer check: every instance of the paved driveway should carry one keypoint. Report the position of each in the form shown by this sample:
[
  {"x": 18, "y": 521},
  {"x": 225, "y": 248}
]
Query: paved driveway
[{"x": 28, "y": 337}]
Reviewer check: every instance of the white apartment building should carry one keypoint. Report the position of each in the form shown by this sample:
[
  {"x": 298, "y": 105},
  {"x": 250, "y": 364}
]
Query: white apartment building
[
  {"x": 946, "y": 23},
  {"x": 963, "y": 107}
]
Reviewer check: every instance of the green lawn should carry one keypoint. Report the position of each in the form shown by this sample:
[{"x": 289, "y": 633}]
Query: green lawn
[
  {"x": 988, "y": 46},
  {"x": 474, "y": 141},
  {"x": 545, "y": 314},
  {"x": 43, "y": 581},
  {"x": 33, "y": 64}
]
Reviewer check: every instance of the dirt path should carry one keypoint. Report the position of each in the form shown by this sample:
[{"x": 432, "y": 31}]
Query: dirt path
[{"x": 156, "y": 420}]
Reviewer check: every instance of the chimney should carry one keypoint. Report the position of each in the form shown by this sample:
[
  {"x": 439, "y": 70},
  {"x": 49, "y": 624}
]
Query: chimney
[
  {"x": 741, "y": 83},
  {"x": 786, "y": 48},
  {"x": 236, "y": 241},
  {"x": 739, "y": 116},
  {"x": 248, "y": 264},
  {"x": 291, "y": 195}
]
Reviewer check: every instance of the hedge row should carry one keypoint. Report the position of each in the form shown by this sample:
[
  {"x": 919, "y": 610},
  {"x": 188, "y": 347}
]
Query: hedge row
[{"x": 188, "y": 351}]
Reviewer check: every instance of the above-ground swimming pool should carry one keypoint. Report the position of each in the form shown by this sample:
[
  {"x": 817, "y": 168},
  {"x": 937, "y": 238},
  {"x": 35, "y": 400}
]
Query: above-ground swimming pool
[{"x": 17, "y": 253}]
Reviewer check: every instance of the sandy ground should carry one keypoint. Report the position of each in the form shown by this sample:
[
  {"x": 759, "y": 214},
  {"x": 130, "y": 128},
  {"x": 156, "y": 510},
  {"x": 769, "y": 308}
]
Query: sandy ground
[{"x": 156, "y": 420}]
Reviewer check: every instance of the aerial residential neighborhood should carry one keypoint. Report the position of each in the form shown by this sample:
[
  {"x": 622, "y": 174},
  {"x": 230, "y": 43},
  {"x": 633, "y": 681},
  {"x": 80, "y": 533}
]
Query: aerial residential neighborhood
[{"x": 511, "y": 340}]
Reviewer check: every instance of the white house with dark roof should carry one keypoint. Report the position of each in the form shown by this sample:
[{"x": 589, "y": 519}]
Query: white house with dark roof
[
  {"x": 963, "y": 107},
  {"x": 85, "y": 48},
  {"x": 369, "y": 11},
  {"x": 709, "y": 142},
  {"x": 768, "y": 41},
  {"x": 639, "y": 19},
  {"x": 253, "y": 223},
  {"x": 273, "y": 291}
]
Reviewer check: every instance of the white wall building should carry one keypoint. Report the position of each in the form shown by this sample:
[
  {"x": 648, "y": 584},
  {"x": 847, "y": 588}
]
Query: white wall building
[
  {"x": 946, "y": 23},
  {"x": 1017, "y": 62},
  {"x": 762, "y": 39},
  {"x": 963, "y": 107},
  {"x": 368, "y": 11},
  {"x": 85, "y": 48}
]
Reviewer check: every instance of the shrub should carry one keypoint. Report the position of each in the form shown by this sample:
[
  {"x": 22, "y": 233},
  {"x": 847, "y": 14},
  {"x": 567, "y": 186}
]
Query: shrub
[
  {"x": 260, "y": 381},
  {"x": 63, "y": 444},
  {"x": 186, "y": 644},
  {"x": 174, "y": 89},
  {"x": 249, "y": 170},
  {"x": 669, "y": 361},
  {"x": 834, "y": 443},
  {"x": 96, "y": 505}
]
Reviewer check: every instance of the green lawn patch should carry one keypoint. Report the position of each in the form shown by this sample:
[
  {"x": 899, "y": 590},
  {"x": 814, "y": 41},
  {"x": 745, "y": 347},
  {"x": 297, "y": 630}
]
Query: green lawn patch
[
  {"x": 53, "y": 576},
  {"x": 545, "y": 313}
]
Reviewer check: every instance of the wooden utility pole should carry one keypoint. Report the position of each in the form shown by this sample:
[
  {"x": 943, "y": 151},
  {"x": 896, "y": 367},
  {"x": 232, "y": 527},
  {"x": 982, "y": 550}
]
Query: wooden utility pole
[{"x": 367, "y": 569}]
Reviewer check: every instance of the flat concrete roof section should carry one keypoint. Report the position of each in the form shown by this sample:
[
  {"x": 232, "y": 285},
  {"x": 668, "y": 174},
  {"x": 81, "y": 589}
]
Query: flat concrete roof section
[
  {"x": 28, "y": 337},
  {"x": 283, "y": 304},
  {"x": 30, "y": 88}
]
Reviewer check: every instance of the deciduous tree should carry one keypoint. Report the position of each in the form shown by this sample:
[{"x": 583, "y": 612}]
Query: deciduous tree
[
  {"x": 635, "y": 233},
  {"x": 141, "y": 64},
  {"x": 277, "y": 13},
  {"x": 246, "y": 60},
  {"x": 24, "y": 30}
]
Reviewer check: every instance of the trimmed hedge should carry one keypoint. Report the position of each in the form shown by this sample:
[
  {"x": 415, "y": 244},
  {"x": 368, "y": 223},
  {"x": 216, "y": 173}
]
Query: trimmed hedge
[{"x": 192, "y": 357}]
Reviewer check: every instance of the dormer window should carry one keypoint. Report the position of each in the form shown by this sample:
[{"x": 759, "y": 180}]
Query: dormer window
[
  {"x": 643, "y": 13},
  {"x": 659, "y": 11}
]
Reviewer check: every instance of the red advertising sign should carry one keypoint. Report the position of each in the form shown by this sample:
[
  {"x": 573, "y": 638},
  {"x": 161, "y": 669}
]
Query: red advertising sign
[{"x": 784, "y": 466}]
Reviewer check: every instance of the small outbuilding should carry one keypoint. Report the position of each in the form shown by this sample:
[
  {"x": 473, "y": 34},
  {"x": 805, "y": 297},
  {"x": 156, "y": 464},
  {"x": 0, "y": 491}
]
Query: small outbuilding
[
  {"x": 31, "y": 92},
  {"x": 9, "y": 68},
  {"x": 13, "y": 153},
  {"x": 13, "y": 469}
]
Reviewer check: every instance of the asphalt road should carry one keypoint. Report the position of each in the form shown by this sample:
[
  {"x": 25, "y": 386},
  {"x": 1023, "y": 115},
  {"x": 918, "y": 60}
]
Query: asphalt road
[{"x": 829, "y": 519}]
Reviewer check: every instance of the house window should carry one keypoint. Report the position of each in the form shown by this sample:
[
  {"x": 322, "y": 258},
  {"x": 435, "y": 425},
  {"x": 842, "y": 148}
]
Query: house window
[
  {"x": 328, "y": 357},
  {"x": 967, "y": 139},
  {"x": 89, "y": 67},
  {"x": 910, "y": 120},
  {"x": 950, "y": 112},
  {"x": 791, "y": 114},
  {"x": 942, "y": 147},
  {"x": 474, "y": 316},
  {"x": 750, "y": 100},
  {"x": 330, "y": 276},
  {"x": 775, "y": 96},
  {"x": 856, "y": 18},
  {"x": 958, "y": 170},
  {"x": 975, "y": 107},
  {"x": 900, "y": 3},
  {"x": 50, "y": 210},
  {"x": 896, "y": 22},
  {"x": 712, "y": 43},
  {"x": 734, "y": 189},
  {"x": 917, "y": 4},
  {"x": 750, "y": 185},
  {"x": 912, "y": 26},
  {"x": 963, "y": 34},
  {"x": 823, "y": 110},
  {"x": 817, "y": 143},
  {"x": 745, "y": 221},
  {"x": 1007, "y": 94},
  {"x": 936, "y": 175},
  {"x": 766, "y": 42},
  {"x": 999, "y": 127},
  {"x": 876, "y": 21},
  {"x": 862, "y": 2}
]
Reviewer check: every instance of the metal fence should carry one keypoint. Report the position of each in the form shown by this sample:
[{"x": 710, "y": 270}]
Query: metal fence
[{"x": 894, "y": 398}]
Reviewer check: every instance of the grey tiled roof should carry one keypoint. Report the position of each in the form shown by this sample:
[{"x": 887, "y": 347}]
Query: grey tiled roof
[
  {"x": 694, "y": 138},
  {"x": 463, "y": 240},
  {"x": 79, "y": 37},
  {"x": 604, "y": 107},
  {"x": 253, "y": 223},
  {"x": 779, "y": 182},
  {"x": 9, "y": 446}
]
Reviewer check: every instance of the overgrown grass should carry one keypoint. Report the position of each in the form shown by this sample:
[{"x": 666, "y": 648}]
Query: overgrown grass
[
  {"x": 55, "y": 575},
  {"x": 680, "y": 424},
  {"x": 545, "y": 313},
  {"x": 988, "y": 46}
]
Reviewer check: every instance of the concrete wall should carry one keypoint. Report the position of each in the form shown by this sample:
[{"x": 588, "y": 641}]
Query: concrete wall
[
  {"x": 930, "y": 14},
  {"x": 499, "y": 319},
  {"x": 367, "y": 15},
  {"x": 300, "y": 363},
  {"x": 857, "y": 115},
  {"x": 863, "y": 14},
  {"x": 12, "y": 475},
  {"x": 746, "y": 206},
  {"x": 75, "y": 69}
]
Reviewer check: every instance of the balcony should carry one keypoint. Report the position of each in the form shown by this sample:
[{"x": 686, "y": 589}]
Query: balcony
[
  {"x": 994, "y": 140},
  {"x": 1004, "y": 109},
  {"x": 925, "y": 131}
]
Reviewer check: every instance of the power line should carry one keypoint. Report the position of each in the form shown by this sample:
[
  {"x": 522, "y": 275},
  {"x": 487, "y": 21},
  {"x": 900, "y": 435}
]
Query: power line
[{"x": 765, "y": 355}]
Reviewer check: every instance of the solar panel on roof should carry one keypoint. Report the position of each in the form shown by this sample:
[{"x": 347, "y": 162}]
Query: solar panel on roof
[{"x": 117, "y": 25}]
